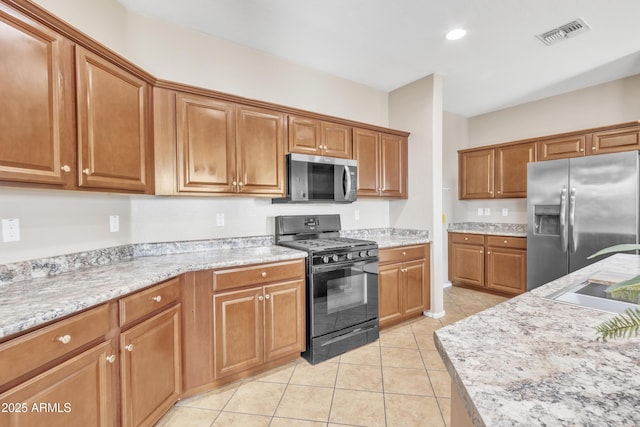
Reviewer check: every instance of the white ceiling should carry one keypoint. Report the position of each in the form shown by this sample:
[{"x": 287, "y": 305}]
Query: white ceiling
[{"x": 386, "y": 44}]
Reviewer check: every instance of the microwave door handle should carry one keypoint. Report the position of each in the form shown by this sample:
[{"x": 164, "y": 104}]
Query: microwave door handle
[{"x": 346, "y": 181}]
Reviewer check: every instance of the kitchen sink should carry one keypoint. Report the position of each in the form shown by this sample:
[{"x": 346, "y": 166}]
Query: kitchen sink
[{"x": 592, "y": 294}]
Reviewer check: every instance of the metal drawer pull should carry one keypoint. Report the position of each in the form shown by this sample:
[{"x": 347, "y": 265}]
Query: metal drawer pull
[
  {"x": 111, "y": 358},
  {"x": 66, "y": 168},
  {"x": 129, "y": 347},
  {"x": 86, "y": 171},
  {"x": 466, "y": 238},
  {"x": 267, "y": 296},
  {"x": 505, "y": 241},
  {"x": 263, "y": 274},
  {"x": 65, "y": 339},
  {"x": 404, "y": 253},
  {"x": 157, "y": 298},
  {"x": 260, "y": 298}
]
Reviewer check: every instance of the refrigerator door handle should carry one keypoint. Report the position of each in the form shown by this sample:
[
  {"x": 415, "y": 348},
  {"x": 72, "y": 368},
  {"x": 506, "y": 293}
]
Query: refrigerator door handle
[
  {"x": 563, "y": 220},
  {"x": 572, "y": 220}
]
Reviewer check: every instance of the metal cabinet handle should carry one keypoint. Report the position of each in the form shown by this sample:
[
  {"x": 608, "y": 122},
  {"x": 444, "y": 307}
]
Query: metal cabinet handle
[
  {"x": 263, "y": 274},
  {"x": 234, "y": 183},
  {"x": 111, "y": 358},
  {"x": 86, "y": 171},
  {"x": 488, "y": 252},
  {"x": 129, "y": 347},
  {"x": 594, "y": 148},
  {"x": 267, "y": 296},
  {"x": 582, "y": 149},
  {"x": 404, "y": 253},
  {"x": 481, "y": 252},
  {"x": 260, "y": 298},
  {"x": 505, "y": 241},
  {"x": 157, "y": 298},
  {"x": 64, "y": 339},
  {"x": 241, "y": 183},
  {"x": 66, "y": 168},
  {"x": 466, "y": 238}
]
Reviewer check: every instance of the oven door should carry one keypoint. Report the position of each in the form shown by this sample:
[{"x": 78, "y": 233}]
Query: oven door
[{"x": 343, "y": 295}]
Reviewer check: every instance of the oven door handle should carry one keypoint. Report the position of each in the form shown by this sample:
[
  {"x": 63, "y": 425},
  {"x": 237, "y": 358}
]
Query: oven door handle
[
  {"x": 342, "y": 265},
  {"x": 349, "y": 334}
]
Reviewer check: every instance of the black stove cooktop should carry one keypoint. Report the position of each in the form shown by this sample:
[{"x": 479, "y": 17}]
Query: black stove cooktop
[{"x": 327, "y": 243}]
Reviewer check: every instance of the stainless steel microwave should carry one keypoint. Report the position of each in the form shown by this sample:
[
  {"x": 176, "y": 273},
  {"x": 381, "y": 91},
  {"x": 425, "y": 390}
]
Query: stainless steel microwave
[{"x": 313, "y": 179}]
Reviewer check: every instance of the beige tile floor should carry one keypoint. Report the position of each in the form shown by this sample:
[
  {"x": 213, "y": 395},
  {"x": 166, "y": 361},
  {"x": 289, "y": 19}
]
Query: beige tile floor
[{"x": 399, "y": 380}]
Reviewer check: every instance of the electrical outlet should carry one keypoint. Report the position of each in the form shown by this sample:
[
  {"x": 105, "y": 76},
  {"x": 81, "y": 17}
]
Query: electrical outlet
[
  {"x": 114, "y": 223},
  {"x": 487, "y": 211},
  {"x": 480, "y": 211},
  {"x": 505, "y": 212},
  {"x": 356, "y": 215},
  {"x": 220, "y": 219},
  {"x": 11, "y": 230}
]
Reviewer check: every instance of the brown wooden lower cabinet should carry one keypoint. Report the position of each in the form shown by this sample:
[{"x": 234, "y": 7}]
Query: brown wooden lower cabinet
[
  {"x": 241, "y": 320},
  {"x": 78, "y": 392},
  {"x": 150, "y": 368},
  {"x": 403, "y": 283},
  {"x": 497, "y": 263}
]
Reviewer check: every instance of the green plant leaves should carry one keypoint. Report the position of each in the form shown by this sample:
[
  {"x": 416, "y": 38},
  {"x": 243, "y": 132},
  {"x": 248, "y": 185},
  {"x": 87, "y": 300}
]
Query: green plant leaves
[
  {"x": 617, "y": 248},
  {"x": 620, "y": 326}
]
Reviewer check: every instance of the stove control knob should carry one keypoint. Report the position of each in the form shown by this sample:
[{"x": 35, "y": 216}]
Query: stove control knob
[
  {"x": 335, "y": 258},
  {"x": 325, "y": 259},
  {"x": 349, "y": 255},
  {"x": 363, "y": 254},
  {"x": 371, "y": 253}
]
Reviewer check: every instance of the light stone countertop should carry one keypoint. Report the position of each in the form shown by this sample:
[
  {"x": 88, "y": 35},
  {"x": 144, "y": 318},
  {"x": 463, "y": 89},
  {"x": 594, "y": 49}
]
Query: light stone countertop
[
  {"x": 29, "y": 303},
  {"x": 489, "y": 228},
  {"x": 40, "y": 291},
  {"x": 531, "y": 361}
]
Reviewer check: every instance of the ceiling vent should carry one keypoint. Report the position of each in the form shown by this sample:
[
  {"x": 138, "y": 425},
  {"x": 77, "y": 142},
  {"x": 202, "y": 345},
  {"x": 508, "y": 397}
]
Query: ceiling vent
[{"x": 563, "y": 32}]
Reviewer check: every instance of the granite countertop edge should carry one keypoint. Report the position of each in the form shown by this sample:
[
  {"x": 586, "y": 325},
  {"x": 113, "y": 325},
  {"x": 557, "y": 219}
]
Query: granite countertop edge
[
  {"x": 489, "y": 228},
  {"x": 552, "y": 374},
  {"x": 40, "y": 291}
]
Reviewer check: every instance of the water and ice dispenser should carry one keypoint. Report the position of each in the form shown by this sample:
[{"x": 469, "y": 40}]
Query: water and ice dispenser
[{"x": 547, "y": 220}]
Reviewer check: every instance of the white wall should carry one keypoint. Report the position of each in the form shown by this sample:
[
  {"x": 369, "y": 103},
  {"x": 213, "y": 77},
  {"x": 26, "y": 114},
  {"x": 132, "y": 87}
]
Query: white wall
[
  {"x": 417, "y": 108},
  {"x": 58, "y": 222}
]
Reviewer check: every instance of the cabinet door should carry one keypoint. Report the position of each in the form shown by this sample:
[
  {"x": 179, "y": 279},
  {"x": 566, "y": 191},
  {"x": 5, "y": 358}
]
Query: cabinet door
[
  {"x": 206, "y": 144},
  {"x": 390, "y": 294},
  {"x": 238, "y": 326},
  {"x": 511, "y": 169},
  {"x": 366, "y": 147},
  {"x": 78, "y": 392},
  {"x": 337, "y": 140},
  {"x": 393, "y": 166},
  {"x": 260, "y": 151},
  {"x": 151, "y": 368},
  {"x": 562, "y": 148},
  {"x": 467, "y": 264},
  {"x": 114, "y": 145},
  {"x": 36, "y": 112},
  {"x": 475, "y": 169},
  {"x": 416, "y": 293},
  {"x": 284, "y": 319},
  {"x": 614, "y": 141},
  {"x": 507, "y": 270},
  {"x": 304, "y": 135}
]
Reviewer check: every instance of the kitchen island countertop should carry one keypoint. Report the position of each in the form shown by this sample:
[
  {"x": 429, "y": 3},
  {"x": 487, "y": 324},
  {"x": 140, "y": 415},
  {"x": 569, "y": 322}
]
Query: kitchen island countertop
[{"x": 531, "y": 361}]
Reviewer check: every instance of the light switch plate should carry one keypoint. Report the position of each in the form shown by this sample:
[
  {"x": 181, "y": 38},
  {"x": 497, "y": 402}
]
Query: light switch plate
[
  {"x": 11, "y": 230},
  {"x": 487, "y": 211},
  {"x": 505, "y": 212},
  {"x": 480, "y": 212},
  {"x": 220, "y": 219},
  {"x": 356, "y": 215}
]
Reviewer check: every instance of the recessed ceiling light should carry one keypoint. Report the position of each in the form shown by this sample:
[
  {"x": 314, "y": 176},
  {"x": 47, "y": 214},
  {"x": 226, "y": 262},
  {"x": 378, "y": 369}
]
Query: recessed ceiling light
[{"x": 456, "y": 34}]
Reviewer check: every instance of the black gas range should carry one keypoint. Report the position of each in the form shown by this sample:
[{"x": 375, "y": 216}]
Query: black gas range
[{"x": 342, "y": 284}]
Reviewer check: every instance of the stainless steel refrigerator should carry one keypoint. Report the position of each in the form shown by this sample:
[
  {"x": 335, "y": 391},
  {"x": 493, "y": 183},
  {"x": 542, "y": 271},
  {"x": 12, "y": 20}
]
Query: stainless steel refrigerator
[{"x": 576, "y": 207}]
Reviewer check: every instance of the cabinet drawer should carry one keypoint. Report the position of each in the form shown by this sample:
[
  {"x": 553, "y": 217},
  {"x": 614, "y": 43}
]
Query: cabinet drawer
[
  {"x": 145, "y": 302},
  {"x": 507, "y": 242},
  {"x": 28, "y": 352},
  {"x": 254, "y": 274},
  {"x": 470, "y": 239},
  {"x": 402, "y": 253}
]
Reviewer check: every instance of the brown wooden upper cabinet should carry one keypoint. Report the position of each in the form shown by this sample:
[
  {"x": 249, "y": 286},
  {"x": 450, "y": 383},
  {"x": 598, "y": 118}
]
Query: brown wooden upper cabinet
[
  {"x": 37, "y": 141},
  {"x": 616, "y": 140},
  {"x": 382, "y": 164},
  {"x": 114, "y": 126},
  {"x": 562, "y": 148},
  {"x": 499, "y": 172},
  {"x": 210, "y": 146},
  {"x": 320, "y": 138}
]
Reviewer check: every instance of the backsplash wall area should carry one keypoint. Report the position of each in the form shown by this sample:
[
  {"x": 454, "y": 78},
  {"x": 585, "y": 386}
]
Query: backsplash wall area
[{"x": 55, "y": 222}]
